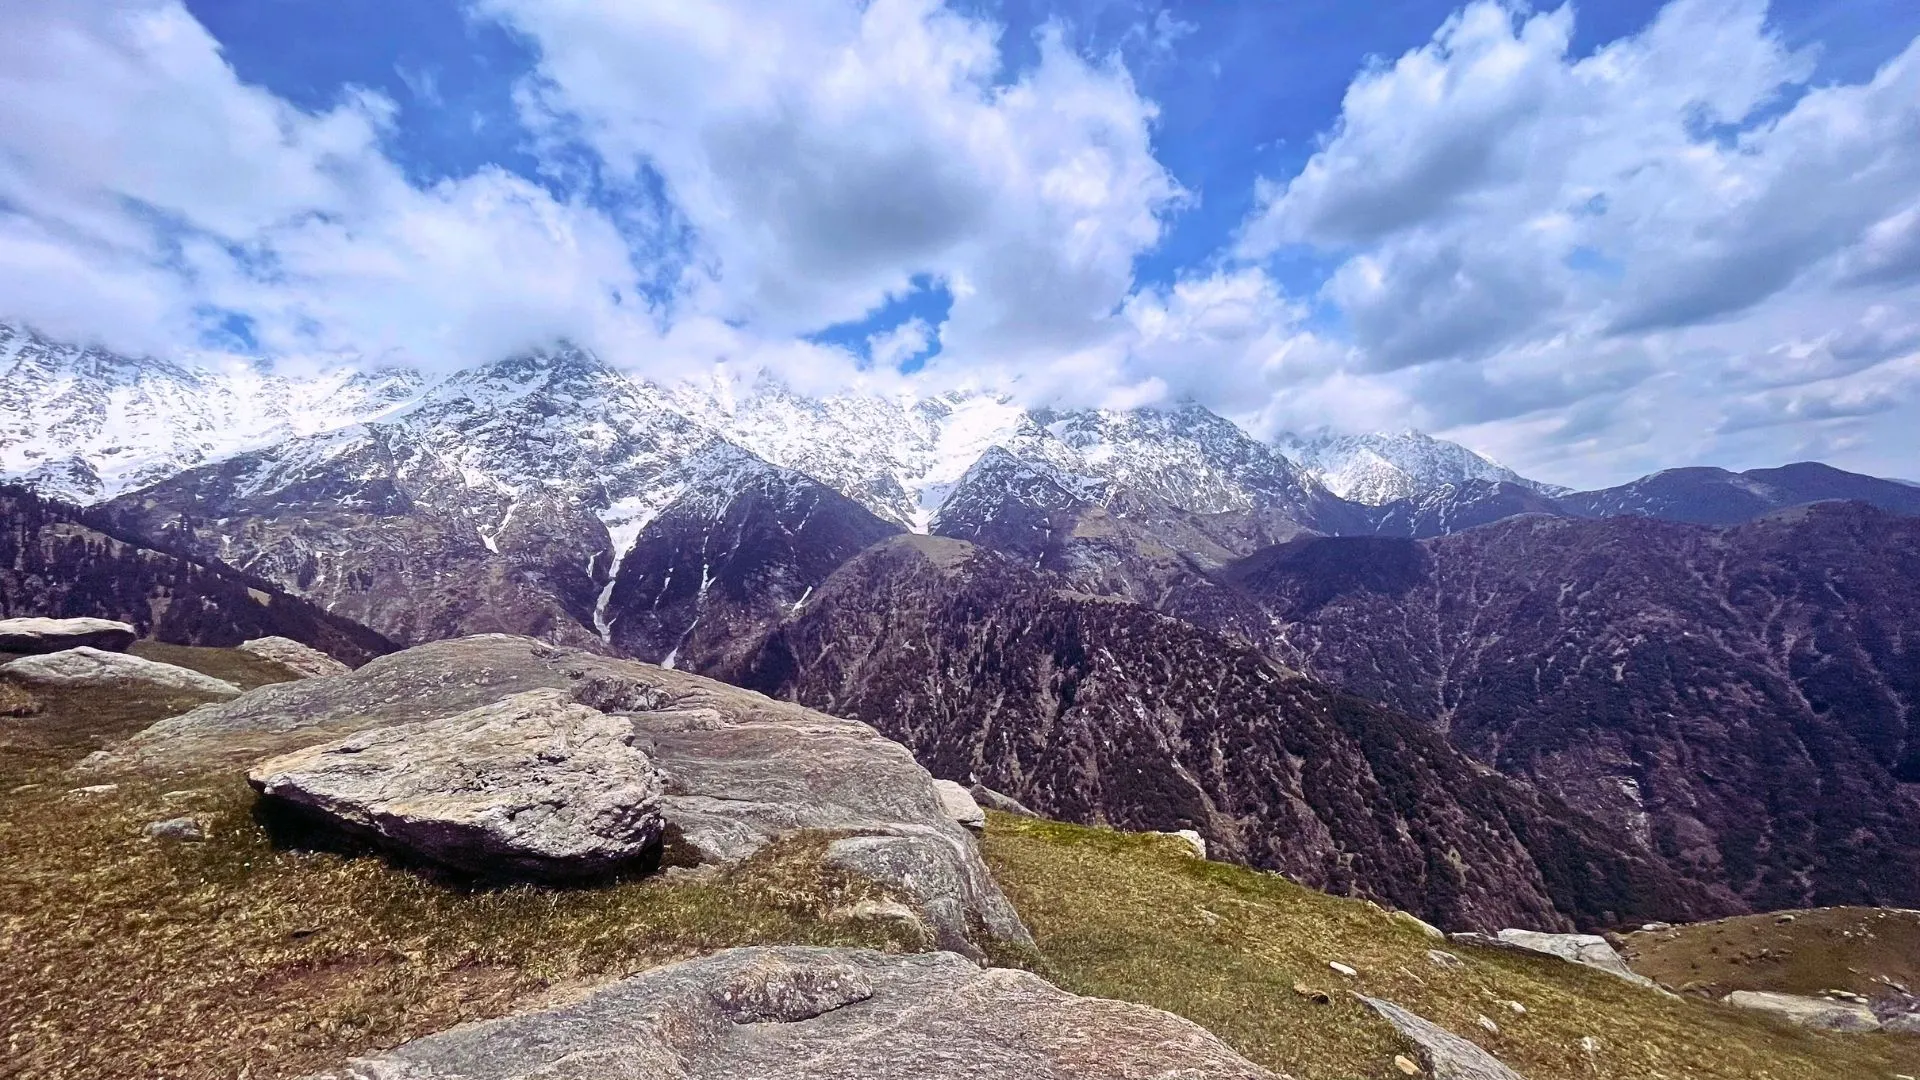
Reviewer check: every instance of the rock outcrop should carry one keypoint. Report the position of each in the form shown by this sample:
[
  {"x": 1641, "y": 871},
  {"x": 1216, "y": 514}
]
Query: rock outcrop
[
  {"x": 1591, "y": 950},
  {"x": 534, "y": 786},
  {"x": 1446, "y": 1056},
  {"x": 740, "y": 769},
  {"x": 88, "y": 666},
  {"x": 56, "y": 635},
  {"x": 1814, "y": 1012},
  {"x": 822, "y": 1014},
  {"x": 286, "y": 652},
  {"x": 959, "y": 805}
]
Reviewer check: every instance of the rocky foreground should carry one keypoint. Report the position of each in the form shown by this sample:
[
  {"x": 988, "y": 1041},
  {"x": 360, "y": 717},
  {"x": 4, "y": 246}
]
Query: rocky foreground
[{"x": 680, "y": 816}]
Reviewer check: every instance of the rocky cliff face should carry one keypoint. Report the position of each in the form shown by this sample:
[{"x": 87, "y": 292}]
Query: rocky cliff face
[
  {"x": 1739, "y": 701},
  {"x": 1097, "y": 710},
  {"x": 58, "y": 561}
]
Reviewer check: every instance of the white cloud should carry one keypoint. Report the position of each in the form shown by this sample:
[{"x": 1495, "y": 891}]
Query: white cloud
[
  {"x": 1623, "y": 240},
  {"x": 891, "y": 348},
  {"x": 145, "y": 192},
  {"x": 827, "y": 152}
]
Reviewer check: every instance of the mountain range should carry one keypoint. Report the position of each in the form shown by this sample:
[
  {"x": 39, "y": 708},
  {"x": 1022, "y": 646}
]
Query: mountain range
[{"x": 1381, "y": 664}]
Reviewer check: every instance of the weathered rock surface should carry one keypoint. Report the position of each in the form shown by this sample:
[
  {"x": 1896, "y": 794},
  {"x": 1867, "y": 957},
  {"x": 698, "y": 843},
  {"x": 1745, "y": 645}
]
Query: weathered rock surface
[
  {"x": 958, "y": 804},
  {"x": 88, "y": 666},
  {"x": 930, "y": 868},
  {"x": 56, "y": 635},
  {"x": 180, "y": 828},
  {"x": 1194, "y": 841},
  {"x": 1589, "y": 949},
  {"x": 1822, "y": 1013},
  {"x": 822, "y": 1014},
  {"x": 1447, "y": 1056},
  {"x": 741, "y": 768},
  {"x": 287, "y": 652},
  {"x": 532, "y": 786},
  {"x": 990, "y": 799}
]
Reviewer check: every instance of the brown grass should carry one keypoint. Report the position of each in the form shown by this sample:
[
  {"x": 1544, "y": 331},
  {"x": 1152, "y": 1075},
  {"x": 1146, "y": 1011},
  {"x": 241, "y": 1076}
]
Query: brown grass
[
  {"x": 1869, "y": 951},
  {"x": 1128, "y": 916},
  {"x": 127, "y": 957}
]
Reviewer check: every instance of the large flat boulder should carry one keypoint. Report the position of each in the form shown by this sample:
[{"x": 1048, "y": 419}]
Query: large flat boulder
[
  {"x": 1590, "y": 950},
  {"x": 533, "y": 786},
  {"x": 741, "y": 769},
  {"x": 1821, "y": 1013},
  {"x": 288, "y": 653},
  {"x": 88, "y": 666},
  {"x": 57, "y": 635},
  {"x": 797, "y": 1013}
]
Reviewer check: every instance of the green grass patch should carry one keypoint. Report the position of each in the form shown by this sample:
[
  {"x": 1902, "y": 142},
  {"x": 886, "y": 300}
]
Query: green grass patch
[{"x": 1128, "y": 916}]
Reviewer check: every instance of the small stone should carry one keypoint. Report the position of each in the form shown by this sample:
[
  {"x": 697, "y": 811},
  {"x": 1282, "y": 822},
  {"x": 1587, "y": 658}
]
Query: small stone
[
  {"x": 1405, "y": 1065},
  {"x": 1783, "y": 919},
  {"x": 1589, "y": 1045},
  {"x": 95, "y": 789},
  {"x": 1440, "y": 958},
  {"x": 958, "y": 804},
  {"x": 1517, "y": 1008},
  {"x": 1656, "y": 927},
  {"x": 1193, "y": 840},
  {"x": 180, "y": 828},
  {"x": 1487, "y": 1023},
  {"x": 1318, "y": 997},
  {"x": 1343, "y": 969}
]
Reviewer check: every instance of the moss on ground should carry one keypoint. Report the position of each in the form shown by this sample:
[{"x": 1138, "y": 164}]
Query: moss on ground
[{"x": 1129, "y": 916}]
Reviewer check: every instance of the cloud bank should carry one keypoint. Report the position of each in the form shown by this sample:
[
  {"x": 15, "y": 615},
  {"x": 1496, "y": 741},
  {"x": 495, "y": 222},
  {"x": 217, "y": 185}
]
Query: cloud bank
[{"x": 1676, "y": 247}]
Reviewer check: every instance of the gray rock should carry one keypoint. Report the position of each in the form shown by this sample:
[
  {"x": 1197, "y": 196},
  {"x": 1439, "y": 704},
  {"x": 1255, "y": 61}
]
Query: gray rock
[
  {"x": 58, "y": 635},
  {"x": 1446, "y": 1056},
  {"x": 1440, "y": 958},
  {"x": 286, "y": 652},
  {"x": 1812, "y": 1012},
  {"x": 533, "y": 786},
  {"x": 994, "y": 800},
  {"x": 957, "y": 803},
  {"x": 1588, "y": 949},
  {"x": 930, "y": 868},
  {"x": 180, "y": 828},
  {"x": 1196, "y": 844},
  {"x": 741, "y": 768},
  {"x": 1902, "y": 1023},
  {"x": 88, "y": 666},
  {"x": 797, "y": 1013}
]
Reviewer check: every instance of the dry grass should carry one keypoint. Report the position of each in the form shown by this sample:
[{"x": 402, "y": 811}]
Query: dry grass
[
  {"x": 1869, "y": 951},
  {"x": 127, "y": 957},
  {"x": 1127, "y": 916}
]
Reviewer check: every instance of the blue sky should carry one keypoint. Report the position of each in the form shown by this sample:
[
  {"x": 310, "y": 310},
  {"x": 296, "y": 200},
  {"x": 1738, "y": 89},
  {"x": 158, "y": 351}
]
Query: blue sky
[{"x": 1592, "y": 240}]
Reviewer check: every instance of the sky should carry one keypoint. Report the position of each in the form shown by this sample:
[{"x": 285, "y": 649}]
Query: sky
[{"x": 1592, "y": 240}]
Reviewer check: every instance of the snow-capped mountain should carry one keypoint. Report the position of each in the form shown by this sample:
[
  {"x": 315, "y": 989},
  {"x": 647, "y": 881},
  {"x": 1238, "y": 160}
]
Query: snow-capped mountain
[
  {"x": 85, "y": 424},
  {"x": 1379, "y": 468},
  {"x": 903, "y": 458}
]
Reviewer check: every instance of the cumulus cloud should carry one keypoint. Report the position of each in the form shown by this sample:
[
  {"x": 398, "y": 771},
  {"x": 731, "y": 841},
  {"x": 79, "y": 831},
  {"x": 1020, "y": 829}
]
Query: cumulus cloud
[
  {"x": 148, "y": 196},
  {"x": 826, "y": 153},
  {"x": 1517, "y": 228}
]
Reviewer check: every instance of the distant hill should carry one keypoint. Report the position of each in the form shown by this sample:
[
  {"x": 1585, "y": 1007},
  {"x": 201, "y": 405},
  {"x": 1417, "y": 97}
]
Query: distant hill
[
  {"x": 1743, "y": 701},
  {"x": 60, "y": 561}
]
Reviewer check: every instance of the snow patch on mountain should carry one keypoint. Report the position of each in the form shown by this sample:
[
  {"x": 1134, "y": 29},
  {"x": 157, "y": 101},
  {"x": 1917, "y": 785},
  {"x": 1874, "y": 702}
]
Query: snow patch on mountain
[
  {"x": 1382, "y": 467},
  {"x": 83, "y": 424}
]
